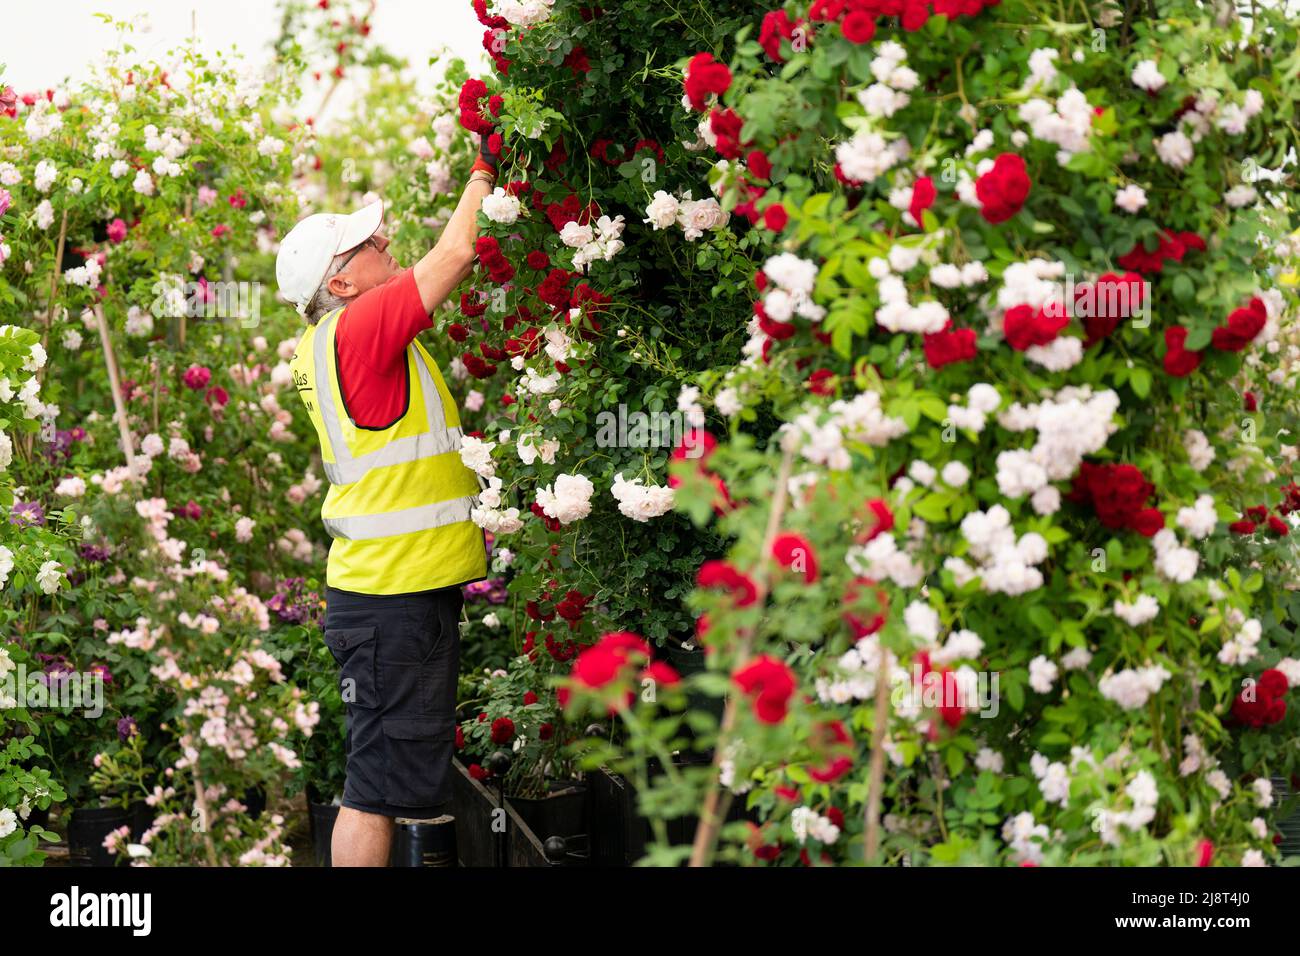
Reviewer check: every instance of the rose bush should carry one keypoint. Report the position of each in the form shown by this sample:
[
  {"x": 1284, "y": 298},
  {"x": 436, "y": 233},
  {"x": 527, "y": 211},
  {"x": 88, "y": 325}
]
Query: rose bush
[{"x": 1013, "y": 402}]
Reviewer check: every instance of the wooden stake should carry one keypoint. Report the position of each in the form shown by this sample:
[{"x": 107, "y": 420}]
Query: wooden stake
[
  {"x": 876, "y": 775},
  {"x": 115, "y": 384},
  {"x": 715, "y": 807},
  {"x": 49, "y": 314},
  {"x": 202, "y": 800},
  {"x": 54, "y": 282}
]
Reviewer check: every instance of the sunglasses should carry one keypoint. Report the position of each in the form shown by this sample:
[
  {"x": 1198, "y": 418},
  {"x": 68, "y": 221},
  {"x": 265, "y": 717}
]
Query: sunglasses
[{"x": 370, "y": 243}]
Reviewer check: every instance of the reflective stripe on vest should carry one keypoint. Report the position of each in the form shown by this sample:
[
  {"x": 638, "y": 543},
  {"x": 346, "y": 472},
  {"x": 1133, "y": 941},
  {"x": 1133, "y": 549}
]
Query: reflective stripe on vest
[
  {"x": 422, "y": 518},
  {"x": 345, "y": 469}
]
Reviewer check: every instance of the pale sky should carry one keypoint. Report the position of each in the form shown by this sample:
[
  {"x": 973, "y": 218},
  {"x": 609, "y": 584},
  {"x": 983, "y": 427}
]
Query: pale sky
[{"x": 44, "y": 41}]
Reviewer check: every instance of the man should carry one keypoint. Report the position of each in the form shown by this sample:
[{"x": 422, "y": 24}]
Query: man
[{"x": 398, "y": 504}]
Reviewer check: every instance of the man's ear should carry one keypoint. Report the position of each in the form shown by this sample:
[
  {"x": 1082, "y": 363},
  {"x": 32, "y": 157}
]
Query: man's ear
[{"x": 342, "y": 286}]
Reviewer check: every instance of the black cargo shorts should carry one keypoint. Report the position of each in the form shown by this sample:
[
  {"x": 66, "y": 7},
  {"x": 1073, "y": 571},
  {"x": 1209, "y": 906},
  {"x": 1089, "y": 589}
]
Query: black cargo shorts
[{"x": 398, "y": 659}]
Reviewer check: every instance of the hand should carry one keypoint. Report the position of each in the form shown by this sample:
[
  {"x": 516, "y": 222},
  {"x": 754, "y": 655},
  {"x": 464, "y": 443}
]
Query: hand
[{"x": 485, "y": 154}]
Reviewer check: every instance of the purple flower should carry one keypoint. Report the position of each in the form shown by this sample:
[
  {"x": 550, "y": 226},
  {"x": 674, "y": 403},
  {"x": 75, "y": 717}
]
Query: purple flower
[
  {"x": 61, "y": 445},
  {"x": 26, "y": 514},
  {"x": 93, "y": 552},
  {"x": 492, "y": 591},
  {"x": 56, "y": 670},
  {"x": 293, "y": 603},
  {"x": 126, "y": 729}
]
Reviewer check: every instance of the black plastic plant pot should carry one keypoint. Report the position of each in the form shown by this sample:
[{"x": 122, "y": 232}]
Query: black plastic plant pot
[
  {"x": 141, "y": 819},
  {"x": 562, "y": 812},
  {"x": 688, "y": 662},
  {"x": 255, "y": 800},
  {"x": 618, "y": 834},
  {"x": 38, "y": 818},
  {"x": 420, "y": 843},
  {"x": 87, "y": 828},
  {"x": 1288, "y": 827},
  {"x": 321, "y": 817}
]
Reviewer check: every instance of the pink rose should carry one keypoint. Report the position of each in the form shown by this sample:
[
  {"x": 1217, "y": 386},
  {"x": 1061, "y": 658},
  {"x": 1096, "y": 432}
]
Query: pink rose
[
  {"x": 197, "y": 377},
  {"x": 116, "y": 230}
]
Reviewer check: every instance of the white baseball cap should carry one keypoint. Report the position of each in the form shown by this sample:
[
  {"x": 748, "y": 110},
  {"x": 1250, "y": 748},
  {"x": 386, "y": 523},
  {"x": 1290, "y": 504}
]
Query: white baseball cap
[{"x": 310, "y": 247}]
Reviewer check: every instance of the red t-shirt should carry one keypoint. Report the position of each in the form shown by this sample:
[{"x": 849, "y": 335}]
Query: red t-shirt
[{"x": 372, "y": 336}]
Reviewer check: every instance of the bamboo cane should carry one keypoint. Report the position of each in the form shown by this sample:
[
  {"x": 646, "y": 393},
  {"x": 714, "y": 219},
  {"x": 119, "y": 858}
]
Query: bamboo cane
[
  {"x": 711, "y": 813},
  {"x": 876, "y": 774},
  {"x": 115, "y": 385},
  {"x": 54, "y": 281},
  {"x": 30, "y": 440},
  {"x": 201, "y": 799}
]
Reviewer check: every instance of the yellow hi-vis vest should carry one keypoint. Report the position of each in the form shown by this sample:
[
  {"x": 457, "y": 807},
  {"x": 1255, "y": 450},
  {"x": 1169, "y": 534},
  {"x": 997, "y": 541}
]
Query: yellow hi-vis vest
[{"x": 398, "y": 506}]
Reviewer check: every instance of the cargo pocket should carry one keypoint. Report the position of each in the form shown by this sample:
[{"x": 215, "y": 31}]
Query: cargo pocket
[
  {"x": 419, "y": 760},
  {"x": 354, "y": 650}
]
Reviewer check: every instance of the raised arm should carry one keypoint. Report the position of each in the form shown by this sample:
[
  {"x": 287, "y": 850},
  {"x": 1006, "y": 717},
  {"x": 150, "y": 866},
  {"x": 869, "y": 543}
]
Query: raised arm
[{"x": 451, "y": 259}]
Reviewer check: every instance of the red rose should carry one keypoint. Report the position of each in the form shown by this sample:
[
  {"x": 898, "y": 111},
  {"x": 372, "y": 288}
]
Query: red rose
[
  {"x": 1171, "y": 246},
  {"x": 827, "y": 10},
  {"x": 538, "y": 260},
  {"x": 476, "y": 772},
  {"x": 577, "y": 62},
  {"x": 949, "y": 346},
  {"x": 457, "y": 332},
  {"x": 1263, "y": 703},
  {"x": 601, "y": 663},
  {"x": 882, "y": 521},
  {"x": 1105, "y": 302},
  {"x": 1243, "y": 325},
  {"x": 1278, "y": 526},
  {"x": 822, "y": 382},
  {"x": 726, "y": 125},
  {"x": 859, "y": 27},
  {"x": 460, "y": 738},
  {"x": 923, "y": 196},
  {"x": 662, "y": 674},
  {"x": 759, "y": 164},
  {"x": 769, "y": 684},
  {"x": 775, "y": 217},
  {"x": 705, "y": 76},
  {"x": 573, "y": 607},
  {"x": 1243, "y": 526},
  {"x": 1023, "y": 326},
  {"x": 795, "y": 552},
  {"x": 776, "y": 27},
  {"x": 477, "y": 367},
  {"x": 915, "y": 15},
  {"x": 1118, "y": 494},
  {"x": 1003, "y": 189},
  {"x": 723, "y": 575},
  {"x": 860, "y": 625},
  {"x": 833, "y": 740},
  {"x": 502, "y": 730},
  {"x": 1179, "y": 361},
  {"x": 1148, "y": 522}
]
